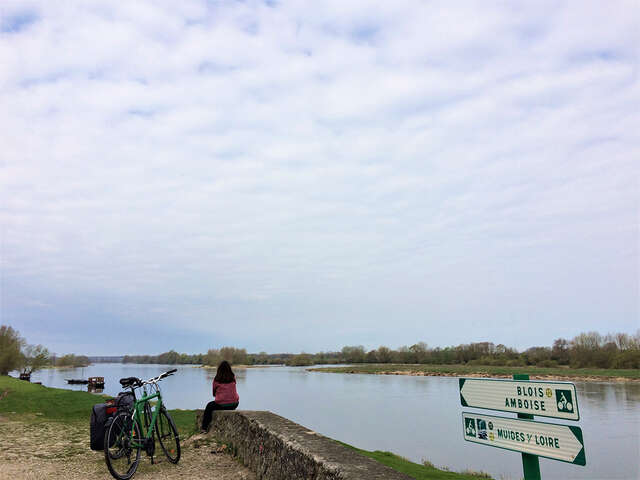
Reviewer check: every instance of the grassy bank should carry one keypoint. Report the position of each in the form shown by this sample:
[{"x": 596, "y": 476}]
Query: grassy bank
[
  {"x": 485, "y": 370},
  {"x": 35, "y": 404},
  {"x": 44, "y": 433},
  {"x": 24, "y": 401},
  {"x": 425, "y": 471}
]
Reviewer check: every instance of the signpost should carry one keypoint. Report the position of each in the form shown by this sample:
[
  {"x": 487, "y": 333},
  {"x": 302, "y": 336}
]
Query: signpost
[
  {"x": 526, "y": 398},
  {"x": 546, "y": 399},
  {"x": 549, "y": 440}
]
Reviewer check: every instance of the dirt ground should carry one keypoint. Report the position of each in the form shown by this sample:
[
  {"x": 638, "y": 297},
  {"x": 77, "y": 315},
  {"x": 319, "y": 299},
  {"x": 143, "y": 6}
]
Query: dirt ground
[{"x": 38, "y": 450}]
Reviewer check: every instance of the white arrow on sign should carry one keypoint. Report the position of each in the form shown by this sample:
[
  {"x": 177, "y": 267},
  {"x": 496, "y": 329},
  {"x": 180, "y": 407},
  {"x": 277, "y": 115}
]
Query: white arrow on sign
[
  {"x": 546, "y": 399},
  {"x": 549, "y": 440}
]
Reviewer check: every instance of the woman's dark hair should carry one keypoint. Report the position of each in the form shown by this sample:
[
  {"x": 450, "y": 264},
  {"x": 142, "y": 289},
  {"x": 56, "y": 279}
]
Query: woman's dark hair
[{"x": 224, "y": 373}]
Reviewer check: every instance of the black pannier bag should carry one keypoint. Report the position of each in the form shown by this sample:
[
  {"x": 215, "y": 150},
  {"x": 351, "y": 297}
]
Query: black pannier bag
[
  {"x": 102, "y": 415},
  {"x": 124, "y": 402},
  {"x": 98, "y": 425}
]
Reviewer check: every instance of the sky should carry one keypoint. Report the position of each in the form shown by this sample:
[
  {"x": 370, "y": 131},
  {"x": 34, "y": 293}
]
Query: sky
[{"x": 300, "y": 176}]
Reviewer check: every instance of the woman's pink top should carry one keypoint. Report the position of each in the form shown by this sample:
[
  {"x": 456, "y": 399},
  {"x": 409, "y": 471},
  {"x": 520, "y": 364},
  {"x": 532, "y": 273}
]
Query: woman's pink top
[{"x": 225, "y": 393}]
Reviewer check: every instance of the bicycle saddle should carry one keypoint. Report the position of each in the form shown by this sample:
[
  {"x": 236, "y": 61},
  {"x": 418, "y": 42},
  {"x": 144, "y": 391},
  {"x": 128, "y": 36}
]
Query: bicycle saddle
[{"x": 129, "y": 381}]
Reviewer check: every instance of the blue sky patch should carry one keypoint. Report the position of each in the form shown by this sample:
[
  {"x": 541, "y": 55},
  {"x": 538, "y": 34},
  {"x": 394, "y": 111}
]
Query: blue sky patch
[{"x": 17, "y": 23}]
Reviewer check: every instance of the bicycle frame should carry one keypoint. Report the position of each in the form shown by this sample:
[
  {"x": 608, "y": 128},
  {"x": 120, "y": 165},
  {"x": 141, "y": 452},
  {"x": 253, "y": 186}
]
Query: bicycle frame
[{"x": 137, "y": 415}]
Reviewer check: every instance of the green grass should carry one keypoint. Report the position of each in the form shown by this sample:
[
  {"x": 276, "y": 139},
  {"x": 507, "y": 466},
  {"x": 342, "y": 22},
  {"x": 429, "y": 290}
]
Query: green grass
[
  {"x": 185, "y": 421},
  {"x": 484, "y": 369},
  {"x": 30, "y": 402},
  {"x": 425, "y": 471},
  {"x": 24, "y": 398}
]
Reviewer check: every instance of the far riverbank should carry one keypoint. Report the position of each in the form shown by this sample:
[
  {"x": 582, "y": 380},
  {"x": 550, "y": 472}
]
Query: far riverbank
[{"x": 535, "y": 373}]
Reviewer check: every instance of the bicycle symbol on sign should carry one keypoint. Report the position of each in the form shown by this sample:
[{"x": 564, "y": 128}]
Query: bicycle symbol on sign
[
  {"x": 470, "y": 427},
  {"x": 564, "y": 401}
]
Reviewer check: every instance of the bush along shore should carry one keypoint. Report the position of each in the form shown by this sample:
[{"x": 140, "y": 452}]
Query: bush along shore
[
  {"x": 557, "y": 373},
  {"x": 51, "y": 426}
]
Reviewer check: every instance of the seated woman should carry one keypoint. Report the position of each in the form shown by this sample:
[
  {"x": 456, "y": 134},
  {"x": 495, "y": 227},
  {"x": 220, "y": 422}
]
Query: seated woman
[{"x": 224, "y": 392}]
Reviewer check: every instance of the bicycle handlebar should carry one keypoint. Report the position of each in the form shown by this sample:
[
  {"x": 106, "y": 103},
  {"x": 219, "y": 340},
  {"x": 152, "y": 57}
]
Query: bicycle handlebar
[{"x": 159, "y": 377}]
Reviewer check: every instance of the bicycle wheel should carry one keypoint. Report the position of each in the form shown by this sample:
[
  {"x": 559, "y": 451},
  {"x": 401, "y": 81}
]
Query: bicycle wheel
[
  {"x": 121, "y": 456},
  {"x": 168, "y": 436}
]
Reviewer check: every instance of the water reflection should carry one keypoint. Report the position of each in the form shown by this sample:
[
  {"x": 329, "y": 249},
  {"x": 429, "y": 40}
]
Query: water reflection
[{"x": 592, "y": 391}]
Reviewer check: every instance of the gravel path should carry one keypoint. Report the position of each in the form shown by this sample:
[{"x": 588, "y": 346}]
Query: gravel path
[{"x": 44, "y": 450}]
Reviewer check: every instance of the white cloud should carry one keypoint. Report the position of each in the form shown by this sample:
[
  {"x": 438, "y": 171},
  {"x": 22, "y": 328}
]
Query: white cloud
[{"x": 334, "y": 164}]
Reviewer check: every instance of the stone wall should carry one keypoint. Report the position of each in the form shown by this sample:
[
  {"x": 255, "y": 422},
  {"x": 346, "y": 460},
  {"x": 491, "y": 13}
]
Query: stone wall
[{"x": 278, "y": 449}]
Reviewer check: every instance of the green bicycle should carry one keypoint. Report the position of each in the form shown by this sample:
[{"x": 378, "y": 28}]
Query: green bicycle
[{"x": 135, "y": 430}]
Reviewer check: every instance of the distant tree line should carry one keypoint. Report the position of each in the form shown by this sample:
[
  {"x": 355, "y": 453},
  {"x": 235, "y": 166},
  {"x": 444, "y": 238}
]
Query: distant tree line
[
  {"x": 239, "y": 356},
  {"x": 590, "y": 349},
  {"x": 236, "y": 356},
  {"x": 586, "y": 350},
  {"x": 170, "y": 358},
  {"x": 70, "y": 360}
]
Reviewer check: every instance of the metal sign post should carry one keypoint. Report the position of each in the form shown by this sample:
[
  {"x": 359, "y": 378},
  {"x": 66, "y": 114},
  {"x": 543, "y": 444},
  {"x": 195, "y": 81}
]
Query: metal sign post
[{"x": 530, "y": 463}]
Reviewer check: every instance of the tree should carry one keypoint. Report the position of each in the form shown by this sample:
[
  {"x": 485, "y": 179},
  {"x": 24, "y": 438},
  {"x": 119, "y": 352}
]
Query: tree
[
  {"x": 419, "y": 351},
  {"x": 537, "y": 355},
  {"x": 623, "y": 341},
  {"x": 301, "y": 360},
  {"x": 371, "y": 356},
  {"x": 584, "y": 349},
  {"x": 168, "y": 358},
  {"x": 235, "y": 356},
  {"x": 560, "y": 351},
  {"x": 353, "y": 354},
  {"x": 403, "y": 355},
  {"x": 383, "y": 354},
  {"x": 71, "y": 360},
  {"x": 34, "y": 358},
  {"x": 10, "y": 345},
  {"x": 212, "y": 358},
  {"x": 239, "y": 356}
]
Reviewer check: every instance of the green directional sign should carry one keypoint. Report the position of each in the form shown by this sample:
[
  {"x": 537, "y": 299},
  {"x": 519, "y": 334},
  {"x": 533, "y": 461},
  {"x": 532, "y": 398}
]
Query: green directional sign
[
  {"x": 549, "y": 440},
  {"x": 546, "y": 399}
]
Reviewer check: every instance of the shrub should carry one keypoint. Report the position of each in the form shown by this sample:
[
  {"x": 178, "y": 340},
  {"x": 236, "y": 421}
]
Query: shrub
[
  {"x": 547, "y": 364},
  {"x": 10, "y": 345}
]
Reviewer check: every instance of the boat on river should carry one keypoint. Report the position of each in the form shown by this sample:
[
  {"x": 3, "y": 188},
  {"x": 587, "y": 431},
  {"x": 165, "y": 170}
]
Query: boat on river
[
  {"x": 95, "y": 382},
  {"x": 76, "y": 381}
]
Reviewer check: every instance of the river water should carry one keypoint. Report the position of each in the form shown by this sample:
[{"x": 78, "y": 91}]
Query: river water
[{"x": 416, "y": 417}]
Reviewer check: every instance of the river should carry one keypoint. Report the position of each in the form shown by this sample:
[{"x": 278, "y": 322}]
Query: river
[{"x": 416, "y": 417}]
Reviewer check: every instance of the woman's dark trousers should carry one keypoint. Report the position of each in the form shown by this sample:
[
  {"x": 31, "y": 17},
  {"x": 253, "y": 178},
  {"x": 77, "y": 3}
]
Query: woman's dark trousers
[{"x": 208, "y": 412}]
